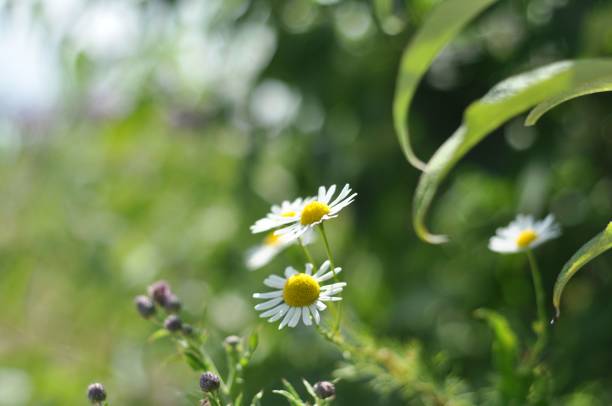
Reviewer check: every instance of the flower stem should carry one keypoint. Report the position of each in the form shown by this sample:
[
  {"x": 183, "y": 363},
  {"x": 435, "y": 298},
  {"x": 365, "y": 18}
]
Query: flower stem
[
  {"x": 305, "y": 250},
  {"x": 540, "y": 326},
  {"x": 336, "y": 328}
]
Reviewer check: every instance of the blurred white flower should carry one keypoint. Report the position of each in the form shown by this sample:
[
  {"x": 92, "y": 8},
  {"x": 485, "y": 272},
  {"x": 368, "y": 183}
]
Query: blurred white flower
[
  {"x": 523, "y": 234},
  {"x": 316, "y": 211},
  {"x": 280, "y": 215},
  {"x": 299, "y": 295},
  {"x": 272, "y": 245}
]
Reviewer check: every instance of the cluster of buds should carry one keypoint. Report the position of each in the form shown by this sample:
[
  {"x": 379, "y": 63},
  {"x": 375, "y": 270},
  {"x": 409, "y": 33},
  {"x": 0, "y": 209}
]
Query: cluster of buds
[{"x": 159, "y": 294}]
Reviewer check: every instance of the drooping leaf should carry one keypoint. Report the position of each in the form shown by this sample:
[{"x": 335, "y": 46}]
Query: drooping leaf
[
  {"x": 440, "y": 27},
  {"x": 504, "y": 101},
  {"x": 595, "y": 247},
  {"x": 310, "y": 389},
  {"x": 257, "y": 398},
  {"x": 600, "y": 85}
]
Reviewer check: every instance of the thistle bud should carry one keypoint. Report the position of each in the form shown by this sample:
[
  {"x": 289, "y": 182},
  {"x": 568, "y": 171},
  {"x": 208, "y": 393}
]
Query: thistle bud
[
  {"x": 172, "y": 304},
  {"x": 159, "y": 292},
  {"x": 145, "y": 306},
  {"x": 324, "y": 389},
  {"x": 96, "y": 393},
  {"x": 173, "y": 323},
  {"x": 209, "y": 382}
]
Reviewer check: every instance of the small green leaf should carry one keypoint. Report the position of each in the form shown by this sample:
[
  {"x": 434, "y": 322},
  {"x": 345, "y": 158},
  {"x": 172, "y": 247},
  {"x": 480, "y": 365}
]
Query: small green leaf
[
  {"x": 310, "y": 389},
  {"x": 441, "y": 26},
  {"x": 595, "y": 247},
  {"x": 291, "y": 388},
  {"x": 195, "y": 361},
  {"x": 504, "y": 101},
  {"x": 253, "y": 341},
  {"x": 257, "y": 398},
  {"x": 293, "y": 400},
  {"x": 159, "y": 334}
]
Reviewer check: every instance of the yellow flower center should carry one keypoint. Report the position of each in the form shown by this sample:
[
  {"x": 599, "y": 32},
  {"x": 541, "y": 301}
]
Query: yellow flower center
[
  {"x": 313, "y": 212},
  {"x": 288, "y": 214},
  {"x": 301, "y": 290},
  {"x": 525, "y": 238},
  {"x": 271, "y": 239}
]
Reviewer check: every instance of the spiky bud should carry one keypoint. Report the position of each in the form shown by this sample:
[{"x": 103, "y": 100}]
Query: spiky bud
[
  {"x": 159, "y": 292},
  {"x": 209, "y": 382},
  {"x": 96, "y": 393},
  {"x": 173, "y": 323},
  {"x": 324, "y": 389},
  {"x": 172, "y": 304},
  {"x": 145, "y": 306}
]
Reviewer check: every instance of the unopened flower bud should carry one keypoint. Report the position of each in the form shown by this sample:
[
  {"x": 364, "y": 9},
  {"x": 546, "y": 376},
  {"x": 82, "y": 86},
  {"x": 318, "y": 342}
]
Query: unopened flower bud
[
  {"x": 209, "y": 382},
  {"x": 173, "y": 323},
  {"x": 159, "y": 292},
  {"x": 324, "y": 389},
  {"x": 232, "y": 341},
  {"x": 96, "y": 393},
  {"x": 172, "y": 303},
  {"x": 145, "y": 306}
]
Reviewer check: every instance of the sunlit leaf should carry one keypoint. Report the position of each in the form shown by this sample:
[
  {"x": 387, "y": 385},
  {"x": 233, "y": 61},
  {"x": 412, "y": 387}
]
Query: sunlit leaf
[
  {"x": 309, "y": 389},
  {"x": 159, "y": 334},
  {"x": 290, "y": 397},
  {"x": 504, "y": 101},
  {"x": 257, "y": 398},
  {"x": 595, "y": 247},
  {"x": 441, "y": 26},
  {"x": 600, "y": 85}
]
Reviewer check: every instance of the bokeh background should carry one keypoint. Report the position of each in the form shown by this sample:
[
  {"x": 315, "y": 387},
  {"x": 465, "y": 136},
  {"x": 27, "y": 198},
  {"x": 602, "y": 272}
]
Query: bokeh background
[{"x": 140, "y": 139}]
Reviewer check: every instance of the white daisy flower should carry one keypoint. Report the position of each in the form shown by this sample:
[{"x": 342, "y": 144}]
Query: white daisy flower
[
  {"x": 280, "y": 215},
  {"x": 317, "y": 210},
  {"x": 299, "y": 296},
  {"x": 524, "y": 233},
  {"x": 272, "y": 245}
]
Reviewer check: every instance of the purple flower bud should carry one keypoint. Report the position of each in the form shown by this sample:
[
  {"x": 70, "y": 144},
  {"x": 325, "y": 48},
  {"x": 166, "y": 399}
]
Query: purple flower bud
[
  {"x": 172, "y": 303},
  {"x": 173, "y": 323},
  {"x": 324, "y": 389},
  {"x": 96, "y": 393},
  {"x": 159, "y": 292},
  {"x": 209, "y": 382},
  {"x": 145, "y": 306}
]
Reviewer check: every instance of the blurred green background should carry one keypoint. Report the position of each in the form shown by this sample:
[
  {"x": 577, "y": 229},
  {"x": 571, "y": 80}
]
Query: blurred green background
[{"x": 140, "y": 139}]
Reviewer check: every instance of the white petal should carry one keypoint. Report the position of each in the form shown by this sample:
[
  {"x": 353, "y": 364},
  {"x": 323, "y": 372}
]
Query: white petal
[
  {"x": 321, "y": 194},
  {"x": 260, "y": 256},
  {"x": 330, "y": 193},
  {"x": 309, "y": 269},
  {"x": 273, "y": 311},
  {"x": 268, "y": 295},
  {"x": 315, "y": 313},
  {"x": 269, "y": 304},
  {"x": 324, "y": 267},
  {"x": 275, "y": 281},
  {"x": 320, "y": 305},
  {"x": 329, "y": 298},
  {"x": 287, "y": 317},
  {"x": 306, "y": 316},
  {"x": 290, "y": 271},
  {"x": 282, "y": 310},
  {"x": 296, "y": 317},
  {"x": 329, "y": 275}
]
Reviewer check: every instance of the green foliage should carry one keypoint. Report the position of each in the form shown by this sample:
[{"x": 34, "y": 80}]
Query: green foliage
[
  {"x": 592, "y": 249},
  {"x": 440, "y": 28}
]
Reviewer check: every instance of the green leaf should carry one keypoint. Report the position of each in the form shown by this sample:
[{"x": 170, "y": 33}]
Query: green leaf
[
  {"x": 293, "y": 400},
  {"x": 253, "y": 341},
  {"x": 195, "y": 361},
  {"x": 159, "y": 334},
  {"x": 291, "y": 388},
  {"x": 440, "y": 27},
  {"x": 600, "y": 85},
  {"x": 505, "y": 352},
  {"x": 595, "y": 247},
  {"x": 310, "y": 389},
  {"x": 257, "y": 398},
  {"x": 504, "y": 101}
]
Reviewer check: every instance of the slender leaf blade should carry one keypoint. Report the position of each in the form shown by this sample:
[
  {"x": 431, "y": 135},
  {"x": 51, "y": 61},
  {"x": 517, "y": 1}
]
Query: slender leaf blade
[
  {"x": 595, "y": 247},
  {"x": 504, "y": 101},
  {"x": 441, "y": 26}
]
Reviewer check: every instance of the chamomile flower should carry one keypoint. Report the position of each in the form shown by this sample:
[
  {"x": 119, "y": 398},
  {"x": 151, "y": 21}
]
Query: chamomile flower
[
  {"x": 280, "y": 215},
  {"x": 272, "y": 245},
  {"x": 524, "y": 233},
  {"x": 299, "y": 296},
  {"x": 317, "y": 210}
]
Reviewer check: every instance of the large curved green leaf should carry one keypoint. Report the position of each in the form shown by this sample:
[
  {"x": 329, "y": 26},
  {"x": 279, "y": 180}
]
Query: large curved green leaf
[
  {"x": 596, "y": 86},
  {"x": 595, "y": 247},
  {"x": 504, "y": 101},
  {"x": 441, "y": 26}
]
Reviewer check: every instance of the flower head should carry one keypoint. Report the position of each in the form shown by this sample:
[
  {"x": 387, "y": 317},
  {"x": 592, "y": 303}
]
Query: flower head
[
  {"x": 317, "y": 210},
  {"x": 280, "y": 215},
  {"x": 145, "y": 306},
  {"x": 324, "y": 389},
  {"x": 96, "y": 393},
  {"x": 299, "y": 295},
  {"x": 524, "y": 233},
  {"x": 159, "y": 292},
  {"x": 173, "y": 323},
  {"x": 272, "y": 245}
]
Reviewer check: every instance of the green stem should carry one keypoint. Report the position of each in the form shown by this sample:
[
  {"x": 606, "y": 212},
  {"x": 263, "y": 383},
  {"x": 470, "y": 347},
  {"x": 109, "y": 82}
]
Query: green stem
[
  {"x": 336, "y": 328},
  {"x": 540, "y": 296},
  {"x": 306, "y": 252}
]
